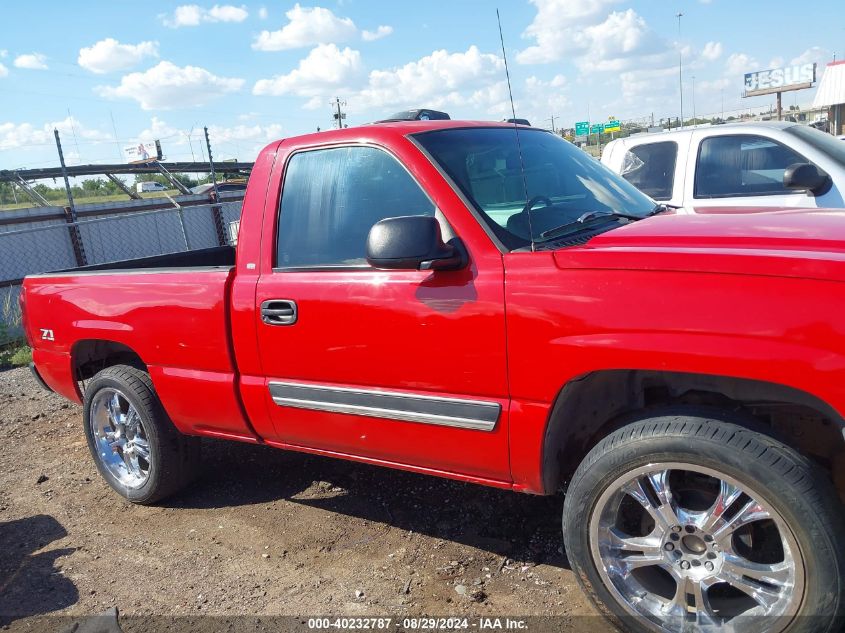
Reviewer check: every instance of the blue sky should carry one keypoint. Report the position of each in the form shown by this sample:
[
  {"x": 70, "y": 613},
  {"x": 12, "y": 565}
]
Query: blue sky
[{"x": 108, "y": 73}]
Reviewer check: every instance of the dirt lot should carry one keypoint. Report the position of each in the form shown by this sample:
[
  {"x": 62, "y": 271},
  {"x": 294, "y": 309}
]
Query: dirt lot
[{"x": 263, "y": 532}]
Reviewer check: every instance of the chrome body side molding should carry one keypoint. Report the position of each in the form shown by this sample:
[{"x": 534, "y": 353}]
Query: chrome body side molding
[{"x": 478, "y": 415}]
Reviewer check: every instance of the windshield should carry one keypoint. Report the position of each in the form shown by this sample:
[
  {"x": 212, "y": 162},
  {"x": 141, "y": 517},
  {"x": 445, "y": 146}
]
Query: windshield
[
  {"x": 485, "y": 164},
  {"x": 822, "y": 141}
]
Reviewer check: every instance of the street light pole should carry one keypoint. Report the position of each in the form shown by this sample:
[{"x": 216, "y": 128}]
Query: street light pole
[
  {"x": 694, "y": 119},
  {"x": 680, "y": 67}
]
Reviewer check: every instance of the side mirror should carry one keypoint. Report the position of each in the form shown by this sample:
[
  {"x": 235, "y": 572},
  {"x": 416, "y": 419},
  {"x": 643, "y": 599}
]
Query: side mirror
[
  {"x": 806, "y": 176},
  {"x": 412, "y": 243}
]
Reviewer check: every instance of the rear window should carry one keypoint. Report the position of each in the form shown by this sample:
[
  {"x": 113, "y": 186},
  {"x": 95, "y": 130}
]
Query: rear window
[{"x": 651, "y": 168}]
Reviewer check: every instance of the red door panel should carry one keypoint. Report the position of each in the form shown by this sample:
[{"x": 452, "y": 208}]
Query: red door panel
[{"x": 413, "y": 334}]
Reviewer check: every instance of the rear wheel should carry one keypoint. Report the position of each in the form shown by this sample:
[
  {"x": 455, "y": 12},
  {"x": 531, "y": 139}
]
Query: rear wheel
[
  {"x": 685, "y": 522},
  {"x": 137, "y": 449}
]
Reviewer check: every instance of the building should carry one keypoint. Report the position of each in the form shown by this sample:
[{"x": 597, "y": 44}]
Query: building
[{"x": 831, "y": 95}]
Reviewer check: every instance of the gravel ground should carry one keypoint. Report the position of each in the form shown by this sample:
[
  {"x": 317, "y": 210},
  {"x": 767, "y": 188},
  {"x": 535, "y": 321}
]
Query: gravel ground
[{"x": 263, "y": 532}]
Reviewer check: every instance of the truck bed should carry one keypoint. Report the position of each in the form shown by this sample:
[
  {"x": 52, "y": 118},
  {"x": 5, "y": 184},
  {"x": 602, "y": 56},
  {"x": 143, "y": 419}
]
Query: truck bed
[
  {"x": 172, "y": 310},
  {"x": 217, "y": 257}
]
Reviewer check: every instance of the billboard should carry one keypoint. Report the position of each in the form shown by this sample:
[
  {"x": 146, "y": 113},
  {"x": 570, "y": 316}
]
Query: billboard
[
  {"x": 142, "y": 152},
  {"x": 764, "y": 82}
]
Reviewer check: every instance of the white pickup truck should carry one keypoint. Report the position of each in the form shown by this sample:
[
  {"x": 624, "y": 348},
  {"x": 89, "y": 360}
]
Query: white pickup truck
[{"x": 761, "y": 165}]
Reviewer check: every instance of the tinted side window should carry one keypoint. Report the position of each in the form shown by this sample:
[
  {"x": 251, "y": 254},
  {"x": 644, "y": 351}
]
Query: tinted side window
[
  {"x": 651, "y": 168},
  {"x": 742, "y": 165},
  {"x": 332, "y": 198}
]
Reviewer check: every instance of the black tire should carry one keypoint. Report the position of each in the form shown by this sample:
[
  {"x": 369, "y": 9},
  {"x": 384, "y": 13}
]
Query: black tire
[
  {"x": 174, "y": 458},
  {"x": 788, "y": 482}
]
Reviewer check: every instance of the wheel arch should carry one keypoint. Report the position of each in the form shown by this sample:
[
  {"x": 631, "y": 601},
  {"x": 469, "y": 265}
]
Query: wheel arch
[
  {"x": 592, "y": 406},
  {"x": 89, "y": 356}
]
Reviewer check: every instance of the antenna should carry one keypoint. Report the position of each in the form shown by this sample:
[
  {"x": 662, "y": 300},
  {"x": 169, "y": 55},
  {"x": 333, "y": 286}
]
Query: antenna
[{"x": 516, "y": 129}]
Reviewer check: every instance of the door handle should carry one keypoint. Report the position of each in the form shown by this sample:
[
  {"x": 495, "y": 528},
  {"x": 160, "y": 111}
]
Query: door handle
[{"x": 279, "y": 312}]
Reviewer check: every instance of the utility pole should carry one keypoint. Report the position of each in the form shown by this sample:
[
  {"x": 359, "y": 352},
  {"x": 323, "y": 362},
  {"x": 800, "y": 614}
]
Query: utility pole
[
  {"x": 680, "y": 67},
  {"x": 552, "y": 119},
  {"x": 339, "y": 116},
  {"x": 211, "y": 164},
  {"x": 694, "y": 119},
  {"x": 70, "y": 211},
  {"x": 191, "y": 145},
  {"x": 71, "y": 206},
  {"x": 116, "y": 141}
]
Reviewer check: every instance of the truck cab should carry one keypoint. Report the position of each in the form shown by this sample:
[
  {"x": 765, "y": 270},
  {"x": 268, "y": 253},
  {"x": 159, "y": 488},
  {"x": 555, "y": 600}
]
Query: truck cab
[{"x": 734, "y": 165}]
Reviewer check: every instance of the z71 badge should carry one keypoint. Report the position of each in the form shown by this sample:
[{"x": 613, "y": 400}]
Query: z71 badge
[{"x": 47, "y": 335}]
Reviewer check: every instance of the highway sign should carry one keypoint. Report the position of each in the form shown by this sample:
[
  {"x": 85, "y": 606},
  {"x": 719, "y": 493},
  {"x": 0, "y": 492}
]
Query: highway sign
[
  {"x": 598, "y": 128},
  {"x": 582, "y": 128},
  {"x": 612, "y": 126}
]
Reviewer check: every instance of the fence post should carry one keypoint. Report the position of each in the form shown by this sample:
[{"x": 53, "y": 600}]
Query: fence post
[
  {"x": 75, "y": 238},
  {"x": 219, "y": 227}
]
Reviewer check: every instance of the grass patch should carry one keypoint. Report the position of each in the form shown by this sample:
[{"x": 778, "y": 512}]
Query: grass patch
[{"x": 15, "y": 355}]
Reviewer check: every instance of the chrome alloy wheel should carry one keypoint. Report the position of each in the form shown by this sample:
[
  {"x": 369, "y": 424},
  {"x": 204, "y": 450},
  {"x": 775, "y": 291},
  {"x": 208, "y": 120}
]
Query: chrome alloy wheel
[
  {"x": 689, "y": 548},
  {"x": 121, "y": 441}
]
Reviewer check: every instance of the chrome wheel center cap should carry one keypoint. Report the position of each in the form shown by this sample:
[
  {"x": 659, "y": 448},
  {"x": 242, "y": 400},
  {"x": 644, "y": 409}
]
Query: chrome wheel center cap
[{"x": 693, "y": 544}]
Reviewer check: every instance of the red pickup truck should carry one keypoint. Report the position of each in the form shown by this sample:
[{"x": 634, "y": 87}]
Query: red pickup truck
[{"x": 488, "y": 303}]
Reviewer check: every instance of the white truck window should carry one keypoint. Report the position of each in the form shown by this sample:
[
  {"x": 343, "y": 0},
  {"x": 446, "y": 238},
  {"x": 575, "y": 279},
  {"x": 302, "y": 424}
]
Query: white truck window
[
  {"x": 651, "y": 168},
  {"x": 742, "y": 165}
]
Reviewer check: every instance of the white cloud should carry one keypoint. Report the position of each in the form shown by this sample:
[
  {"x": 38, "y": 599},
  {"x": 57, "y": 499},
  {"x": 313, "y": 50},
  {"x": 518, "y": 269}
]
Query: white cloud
[
  {"x": 544, "y": 98},
  {"x": 712, "y": 51},
  {"x": 558, "y": 28},
  {"x": 4, "y": 53},
  {"x": 436, "y": 80},
  {"x": 240, "y": 141},
  {"x": 263, "y": 13},
  {"x": 715, "y": 86},
  {"x": 4, "y": 72},
  {"x": 227, "y": 13},
  {"x": 595, "y": 38},
  {"x": 16, "y": 135},
  {"x": 167, "y": 86},
  {"x": 109, "y": 55},
  {"x": 307, "y": 26},
  {"x": 325, "y": 67},
  {"x": 623, "y": 40},
  {"x": 31, "y": 61},
  {"x": 240, "y": 133},
  {"x": 194, "y": 15},
  {"x": 380, "y": 32},
  {"x": 646, "y": 82},
  {"x": 813, "y": 55},
  {"x": 738, "y": 64}
]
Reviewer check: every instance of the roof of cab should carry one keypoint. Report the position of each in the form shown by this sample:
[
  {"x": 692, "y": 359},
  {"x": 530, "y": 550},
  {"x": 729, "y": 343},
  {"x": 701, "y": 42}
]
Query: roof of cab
[{"x": 393, "y": 128}]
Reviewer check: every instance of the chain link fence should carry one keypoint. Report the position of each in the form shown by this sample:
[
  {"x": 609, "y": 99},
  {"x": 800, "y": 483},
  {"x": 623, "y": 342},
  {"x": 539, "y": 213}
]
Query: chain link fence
[{"x": 33, "y": 245}]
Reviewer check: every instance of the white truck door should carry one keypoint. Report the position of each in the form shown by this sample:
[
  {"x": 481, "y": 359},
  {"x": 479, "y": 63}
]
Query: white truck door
[{"x": 732, "y": 169}]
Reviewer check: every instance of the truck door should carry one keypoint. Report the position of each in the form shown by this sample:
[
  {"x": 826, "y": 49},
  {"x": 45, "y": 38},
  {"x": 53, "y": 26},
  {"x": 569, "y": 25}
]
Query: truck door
[
  {"x": 398, "y": 367},
  {"x": 742, "y": 170}
]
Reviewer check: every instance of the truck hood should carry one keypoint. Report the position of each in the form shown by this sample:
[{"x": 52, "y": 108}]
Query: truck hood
[{"x": 793, "y": 243}]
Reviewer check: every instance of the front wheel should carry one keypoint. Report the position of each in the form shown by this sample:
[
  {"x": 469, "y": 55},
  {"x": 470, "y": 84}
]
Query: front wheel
[{"x": 685, "y": 522}]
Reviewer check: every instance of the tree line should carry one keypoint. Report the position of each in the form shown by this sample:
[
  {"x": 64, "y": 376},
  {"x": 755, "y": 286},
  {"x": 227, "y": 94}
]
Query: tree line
[{"x": 90, "y": 188}]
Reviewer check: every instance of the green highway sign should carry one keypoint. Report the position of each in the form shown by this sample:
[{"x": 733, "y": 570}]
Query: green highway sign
[
  {"x": 612, "y": 126},
  {"x": 598, "y": 128},
  {"x": 582, "y": 128}
]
